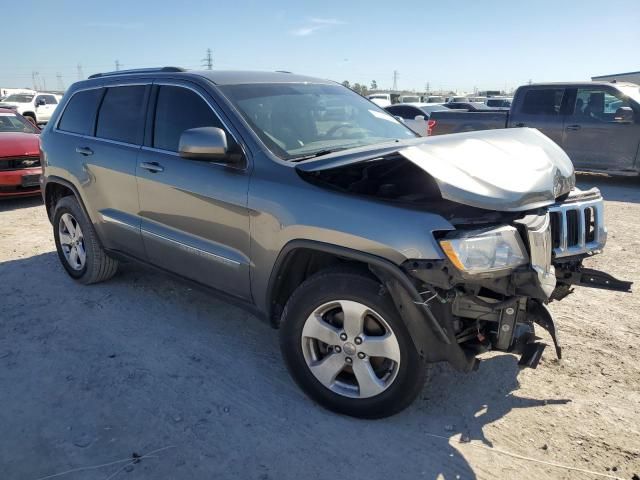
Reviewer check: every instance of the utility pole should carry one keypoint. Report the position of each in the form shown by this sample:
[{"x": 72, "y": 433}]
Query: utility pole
[
  {"x": 60, "y": 82},
  {"x": 44, "y": 83},
  {"x": 427, "y": 89},
  {"x": 117, "y": 65},
  {"x": 208, "y": 60},
  {"x": 34, "y": 78},
  {"x": 80, "y": 73},
  {"x": 395, "y": 80}
]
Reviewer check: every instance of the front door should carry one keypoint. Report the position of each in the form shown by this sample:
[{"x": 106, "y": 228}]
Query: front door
[
  {"x": 594, "y": 138},
  {"x": 194, "y": 213},
  {"x": 45, "y": 105}
]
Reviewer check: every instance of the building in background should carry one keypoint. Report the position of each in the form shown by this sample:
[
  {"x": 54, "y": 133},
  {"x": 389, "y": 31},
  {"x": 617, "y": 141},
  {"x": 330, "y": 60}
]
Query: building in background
[{"x": 633, "y": 77}]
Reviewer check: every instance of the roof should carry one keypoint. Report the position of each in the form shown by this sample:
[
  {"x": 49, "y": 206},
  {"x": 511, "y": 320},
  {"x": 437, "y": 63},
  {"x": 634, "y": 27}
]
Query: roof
[
  {"x": 617, "y": 75},
  {"x": 220, "y": 77},
  {"x": 585, "y": 83}
]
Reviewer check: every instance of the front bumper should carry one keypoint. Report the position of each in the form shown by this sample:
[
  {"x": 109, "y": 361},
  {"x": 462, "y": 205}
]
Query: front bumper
[{"x": 20, "y": 182}]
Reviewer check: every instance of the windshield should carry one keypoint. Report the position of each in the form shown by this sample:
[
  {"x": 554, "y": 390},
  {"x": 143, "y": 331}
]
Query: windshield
[
  {"x": 19, "y": 98},
  {"x": 10, "y": 122},
  {"x": 632, "y": 92},
  {"x": 300, "y": 120},
  {"x": 410, "y": 99}
]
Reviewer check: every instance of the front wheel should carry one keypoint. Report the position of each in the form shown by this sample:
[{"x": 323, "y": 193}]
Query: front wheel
[{"x": 347, "y": 348}]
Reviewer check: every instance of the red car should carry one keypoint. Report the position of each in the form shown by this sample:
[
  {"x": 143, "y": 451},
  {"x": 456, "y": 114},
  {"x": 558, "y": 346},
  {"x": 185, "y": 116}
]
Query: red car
[{"x": 19, "y": 155}]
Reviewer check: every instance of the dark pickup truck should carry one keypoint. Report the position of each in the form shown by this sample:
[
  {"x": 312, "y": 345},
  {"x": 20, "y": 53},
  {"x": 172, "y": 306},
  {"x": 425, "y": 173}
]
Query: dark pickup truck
[{"x": 596, "y": 123}]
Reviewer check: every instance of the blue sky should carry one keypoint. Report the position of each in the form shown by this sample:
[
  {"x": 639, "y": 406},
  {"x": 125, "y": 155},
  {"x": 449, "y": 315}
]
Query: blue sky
[{"x": 451, "y": 45}]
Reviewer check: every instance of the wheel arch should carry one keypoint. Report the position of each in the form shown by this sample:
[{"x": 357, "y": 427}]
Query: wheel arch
[
  {"x": 433, "y": 341},
  {"x": 56, "y": 188}
]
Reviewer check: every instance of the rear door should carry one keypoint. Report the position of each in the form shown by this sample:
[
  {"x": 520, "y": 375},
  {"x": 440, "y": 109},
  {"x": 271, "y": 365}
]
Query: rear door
[
  {"x": 542, "y": 108},
  {"x": 104, "y": 147},
  {"x": 594, "y": 138},
  {"x": 195, "y": 220}
]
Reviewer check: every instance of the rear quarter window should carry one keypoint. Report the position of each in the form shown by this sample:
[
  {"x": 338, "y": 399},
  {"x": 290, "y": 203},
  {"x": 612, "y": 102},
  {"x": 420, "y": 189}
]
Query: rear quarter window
[
  {"x": 79, "y": 114},
  {"x": 543, "y": 101}
]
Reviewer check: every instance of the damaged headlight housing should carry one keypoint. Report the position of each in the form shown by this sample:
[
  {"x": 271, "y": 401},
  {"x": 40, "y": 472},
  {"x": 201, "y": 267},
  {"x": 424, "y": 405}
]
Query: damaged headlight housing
[{"x": 486, "y": 251}]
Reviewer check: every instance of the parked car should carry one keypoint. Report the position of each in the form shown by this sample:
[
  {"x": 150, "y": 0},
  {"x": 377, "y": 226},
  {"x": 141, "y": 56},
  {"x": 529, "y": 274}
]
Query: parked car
[
  {"x": 373, "y": 250},
  {"x": 499, "y": 103},
  {"x": 458, "y": 98},
  {"x": 468, "y": 106},
  {"x": 19, "y": 155},
  {"x": 596, "y": 123},
  {"x": 415, "y": 115},
  {"x": 381, "y": 99},
  {"x": 409, "y": 99},
  {"x": 433, "y": 99},
  {"x": 37, "y": 107}
]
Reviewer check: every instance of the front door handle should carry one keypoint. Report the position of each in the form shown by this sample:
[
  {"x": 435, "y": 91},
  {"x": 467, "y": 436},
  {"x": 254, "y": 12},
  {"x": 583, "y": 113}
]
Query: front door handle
[
  {"x": 574, "y": 127},
  {"x": 152, "y": 167},
  {"x": 86, "y": 151}
]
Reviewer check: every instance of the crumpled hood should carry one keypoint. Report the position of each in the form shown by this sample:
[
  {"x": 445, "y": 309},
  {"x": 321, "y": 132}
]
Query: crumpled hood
[{"x": 513, "y": 169}]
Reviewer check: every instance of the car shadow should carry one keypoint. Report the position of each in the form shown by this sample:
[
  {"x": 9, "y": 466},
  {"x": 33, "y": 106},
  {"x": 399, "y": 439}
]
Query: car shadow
[
  {"x": 618, "y": 189},
  {"x": 15, "y": 203},
  {"x": 133, "y": 351}
]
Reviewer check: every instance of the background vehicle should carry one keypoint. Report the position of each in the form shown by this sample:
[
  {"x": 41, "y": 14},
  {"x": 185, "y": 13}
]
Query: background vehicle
[
  {"x": 409, "y": 99},
  {"x": 330, "y": 229},
  {"x": 19, "y": 155},
  {"x": 416, "y": 115},
  {"x": 499, "y": 103},
  {"x": 596, "y": 123},
  {"x": 458, "y": 98},
  {"x": 433, "y": 99},
  {"x": 468, "y": 106},
  {"x": 37, "y": 107},
  {"x": 382, "y": 99}
]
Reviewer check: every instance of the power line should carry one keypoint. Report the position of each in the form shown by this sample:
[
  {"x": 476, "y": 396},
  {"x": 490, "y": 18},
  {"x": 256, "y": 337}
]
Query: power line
[{"x": 208, "y": 60}]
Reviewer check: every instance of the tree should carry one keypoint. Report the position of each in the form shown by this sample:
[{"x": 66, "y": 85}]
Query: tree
[
  {"x": 374, "y": 85},
  {"x": 346, "y": 84}
]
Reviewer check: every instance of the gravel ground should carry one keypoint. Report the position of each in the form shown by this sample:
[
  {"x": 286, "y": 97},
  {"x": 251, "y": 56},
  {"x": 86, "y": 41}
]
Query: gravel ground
[{"x": 91, "y": 377}]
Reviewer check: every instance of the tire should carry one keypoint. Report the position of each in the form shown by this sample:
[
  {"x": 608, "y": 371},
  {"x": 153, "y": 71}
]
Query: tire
[
  {"x": 97, "y": 265},
  {"x": 31, "y": 118},
  {"x": 321, "y": 301}
]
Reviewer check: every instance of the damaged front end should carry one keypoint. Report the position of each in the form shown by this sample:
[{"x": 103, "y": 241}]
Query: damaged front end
[
  {"x": 497, "y": 308},
  {"x": 521, "y": 231}
]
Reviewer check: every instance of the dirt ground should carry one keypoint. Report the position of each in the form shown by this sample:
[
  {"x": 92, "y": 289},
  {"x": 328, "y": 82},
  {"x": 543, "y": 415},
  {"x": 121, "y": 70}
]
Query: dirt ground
[{"x": 91, "y": 377}]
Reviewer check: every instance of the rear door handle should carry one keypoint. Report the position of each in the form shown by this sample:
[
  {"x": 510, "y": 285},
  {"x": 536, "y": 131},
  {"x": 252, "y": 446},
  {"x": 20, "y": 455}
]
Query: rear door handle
[
  {"x": 574, "y": 127},
  {"x": 86, "y": 151},
  {"x": 152, "y": 167}
]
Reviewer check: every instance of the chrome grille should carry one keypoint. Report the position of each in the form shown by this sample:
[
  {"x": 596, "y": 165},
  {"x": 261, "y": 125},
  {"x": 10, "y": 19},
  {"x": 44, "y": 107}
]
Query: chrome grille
[{"x": 577, "y": 225}]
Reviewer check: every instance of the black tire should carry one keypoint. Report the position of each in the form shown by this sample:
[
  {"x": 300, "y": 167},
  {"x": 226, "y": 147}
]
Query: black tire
[
  {"x": 98, "y": 266},
  {"x": 350, "y": 284}
]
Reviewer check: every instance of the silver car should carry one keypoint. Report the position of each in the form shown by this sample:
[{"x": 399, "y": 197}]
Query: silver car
[{"x": 374, "y": 251}]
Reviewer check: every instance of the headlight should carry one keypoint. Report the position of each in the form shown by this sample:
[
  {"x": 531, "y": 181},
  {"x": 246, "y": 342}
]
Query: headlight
[{"x": 486, "y": 251}]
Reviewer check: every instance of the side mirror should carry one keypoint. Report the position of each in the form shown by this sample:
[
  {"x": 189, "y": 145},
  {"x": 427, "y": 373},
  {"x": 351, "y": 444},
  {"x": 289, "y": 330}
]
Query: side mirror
[
  {"x": 204, "y": 143},
  {"x": 624, "y": 115},
  {"x": 419, "y": 118},
  {"x": 40, "y": 102}
]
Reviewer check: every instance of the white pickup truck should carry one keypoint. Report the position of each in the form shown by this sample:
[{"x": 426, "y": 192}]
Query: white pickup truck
[{"x": 36, "y": 107}]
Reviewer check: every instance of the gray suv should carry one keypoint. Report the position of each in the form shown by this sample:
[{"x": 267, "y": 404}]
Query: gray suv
[{"x": 374, "y": 251}]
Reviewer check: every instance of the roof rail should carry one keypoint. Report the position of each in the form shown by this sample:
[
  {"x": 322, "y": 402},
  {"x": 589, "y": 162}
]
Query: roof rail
[{"x": 138, "y": 70}]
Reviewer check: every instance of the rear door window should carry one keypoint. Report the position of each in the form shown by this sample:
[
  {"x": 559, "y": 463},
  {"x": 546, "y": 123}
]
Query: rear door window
[
  {"x": 50, "y": 99},
  {"x": 179, "y": 109},
  {"x": 122, "y": 113},
  {"x": 543, "y": 101},
  {"x": 79, "y": 114}
]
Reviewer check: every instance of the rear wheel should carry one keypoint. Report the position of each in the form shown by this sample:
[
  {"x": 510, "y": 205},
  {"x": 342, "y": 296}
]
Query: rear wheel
[
  {"x": 346, "y": 346},
  {"x": 31, "y": 118},
  {"x": 78, "y": 247}
]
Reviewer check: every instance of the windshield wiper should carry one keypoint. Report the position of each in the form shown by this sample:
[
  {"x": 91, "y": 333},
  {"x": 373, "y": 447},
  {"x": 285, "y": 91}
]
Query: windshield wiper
[{"x": 319, "y": 153}]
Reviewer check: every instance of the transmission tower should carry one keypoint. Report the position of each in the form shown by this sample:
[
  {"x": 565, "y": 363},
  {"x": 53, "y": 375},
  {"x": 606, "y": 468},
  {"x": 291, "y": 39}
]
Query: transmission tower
[
  {"x": 80, "y": 73},
  {"x": 208, "y": 60},
  {"x": 60, "y": 82},
  {"x": 395, "y": 80},
  {"x": 34, "y": 78},
  {"x": 118, "y": 65}
]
